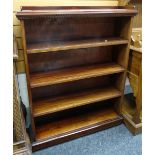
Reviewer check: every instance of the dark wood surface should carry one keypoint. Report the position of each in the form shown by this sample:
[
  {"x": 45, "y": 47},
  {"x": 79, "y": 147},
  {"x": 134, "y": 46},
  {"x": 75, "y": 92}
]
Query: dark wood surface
[
  {"x": 59, "y": 46},
  {"x": 28, "y": 79},
  {"x": 72, "y": 74},
  {"x": 76, "y": 133},
  {"x": 55, "y": 61},
  {"x": 71, "y": 30},
  {"x": 36, "y": 11},
  {"x": 133, "y": 112},
  {"x": 53, "y": 105},
  {"x": 73, "y": 87},
  {"x": 74, "y": 56},
  {"x": 68, "y": 124}
]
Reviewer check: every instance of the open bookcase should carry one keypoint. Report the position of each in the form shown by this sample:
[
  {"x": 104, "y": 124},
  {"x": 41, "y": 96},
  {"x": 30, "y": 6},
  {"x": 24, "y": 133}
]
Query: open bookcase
[{"x": 76, "y": 60}]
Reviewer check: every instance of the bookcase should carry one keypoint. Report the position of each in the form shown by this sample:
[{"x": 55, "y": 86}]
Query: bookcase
[{"x": 76, "y": 60}]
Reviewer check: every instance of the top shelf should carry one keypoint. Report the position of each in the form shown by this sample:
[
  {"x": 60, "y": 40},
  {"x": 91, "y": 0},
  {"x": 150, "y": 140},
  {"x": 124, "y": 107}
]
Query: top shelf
[
  {"x": 60, "y": 46},
  {"x": 29, "y": 12}
]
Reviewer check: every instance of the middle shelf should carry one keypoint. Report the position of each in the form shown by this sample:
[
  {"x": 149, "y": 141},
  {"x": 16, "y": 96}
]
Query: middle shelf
[
  {"x": 61, "y": 46},
  {"x": 72, "y": 74},
  {"x": 57, "y": 104}
]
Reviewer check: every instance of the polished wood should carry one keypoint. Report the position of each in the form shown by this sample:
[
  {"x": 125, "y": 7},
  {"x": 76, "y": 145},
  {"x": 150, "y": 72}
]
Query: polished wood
[
  {"x": 73, "y": 87},
  {"x": 71, "y": 29},
  {"x": 132, "y": 114},
  {"x": 139, "y": 97},
  {"x": 135, "y": 60},
  {"x": 55, "y": 61},
  {"x": 48, "y": 11},
  {"x": 66, "y": 75},
  {"x": 40, "y": 144},
  {"x": 137, "y": 87},
  {"x": 133, "y": 127},
  {"x": 135, "y": 78},
  {"x": 49, "y": 47},
  {"x": 65, "y": 125},
  {"x": 70, "y": 101},
  {"x": 28, "y": 79},
  {"x": 76, "y": 59},
  {"x": 122, "y": 58}
]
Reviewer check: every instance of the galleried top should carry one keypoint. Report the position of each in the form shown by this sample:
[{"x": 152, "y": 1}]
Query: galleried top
[{"x": 28, "y": 12}]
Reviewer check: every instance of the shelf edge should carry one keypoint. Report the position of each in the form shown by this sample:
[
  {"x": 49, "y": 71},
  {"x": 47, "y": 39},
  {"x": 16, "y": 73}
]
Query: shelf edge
[
  {"x": 79, "y": 105},
  {"x": 73, "y": 47},
  {"x": 75, "y": 79},
  {"x": 76, "y": 133}
]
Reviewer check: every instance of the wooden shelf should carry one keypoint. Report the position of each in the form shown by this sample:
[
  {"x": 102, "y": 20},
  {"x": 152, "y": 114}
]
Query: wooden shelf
[
  {"x": 67, "y": 75},
  {"x": 75, "y": 58},
  {"x": 60, "y": 46},
  {"x": 31, "y": 12},
  {"x": 70, "y": 101},
  {"x": 75, "y": 124}
]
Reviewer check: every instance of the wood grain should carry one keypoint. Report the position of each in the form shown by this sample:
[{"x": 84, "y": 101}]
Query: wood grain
[
  {"x": 66, "y": 75},
  {"x": 70, "y": 101},
  {"x": 28, "y": 78},
  {"x": 135, "y": 60},
  {"x": 41, "y": 93},
  {"x": 50, "y": 61},
  {"x": 61, "y": 30},
  {"x": 61, "y": 117},
  {"x": 131, "y": 114},
  {"x": 46, "y": 11},
  {"x": 133, "y": 127},
  {"x": 74, "y": 123},
  {"x": 60, "y": 46},
  {"x": 126, "y": 29}
]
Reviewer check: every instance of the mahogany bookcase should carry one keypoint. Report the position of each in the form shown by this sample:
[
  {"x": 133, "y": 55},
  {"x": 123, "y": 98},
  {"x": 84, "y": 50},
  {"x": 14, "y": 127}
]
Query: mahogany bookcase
[{"x": 76, "y": 60}]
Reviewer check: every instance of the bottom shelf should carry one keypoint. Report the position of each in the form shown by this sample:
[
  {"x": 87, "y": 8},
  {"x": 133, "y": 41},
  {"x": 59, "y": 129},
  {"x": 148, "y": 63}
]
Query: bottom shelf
[{"x": 75, "y": 126}]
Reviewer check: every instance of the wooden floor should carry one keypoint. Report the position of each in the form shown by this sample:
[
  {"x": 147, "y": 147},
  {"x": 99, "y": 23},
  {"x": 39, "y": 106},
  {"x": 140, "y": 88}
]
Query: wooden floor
[
  {"x": 76, "y": 123},
  {"x": 72, "y": 74},
  {"x": 70, "y": 101}
]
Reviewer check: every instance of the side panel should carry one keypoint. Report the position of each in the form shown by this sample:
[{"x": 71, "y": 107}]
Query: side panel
[{"x": 28, "y": 78}]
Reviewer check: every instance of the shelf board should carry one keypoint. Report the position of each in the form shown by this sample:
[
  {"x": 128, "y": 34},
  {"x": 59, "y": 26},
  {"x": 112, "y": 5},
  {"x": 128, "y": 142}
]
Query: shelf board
[
  {"x": 60, "y": 46},
  {"x": 32, "y": 12},
  {"x": 72, "y": 74},
  {"x": 57, "y": 104},
  {"x": 77, "y": 124}
]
